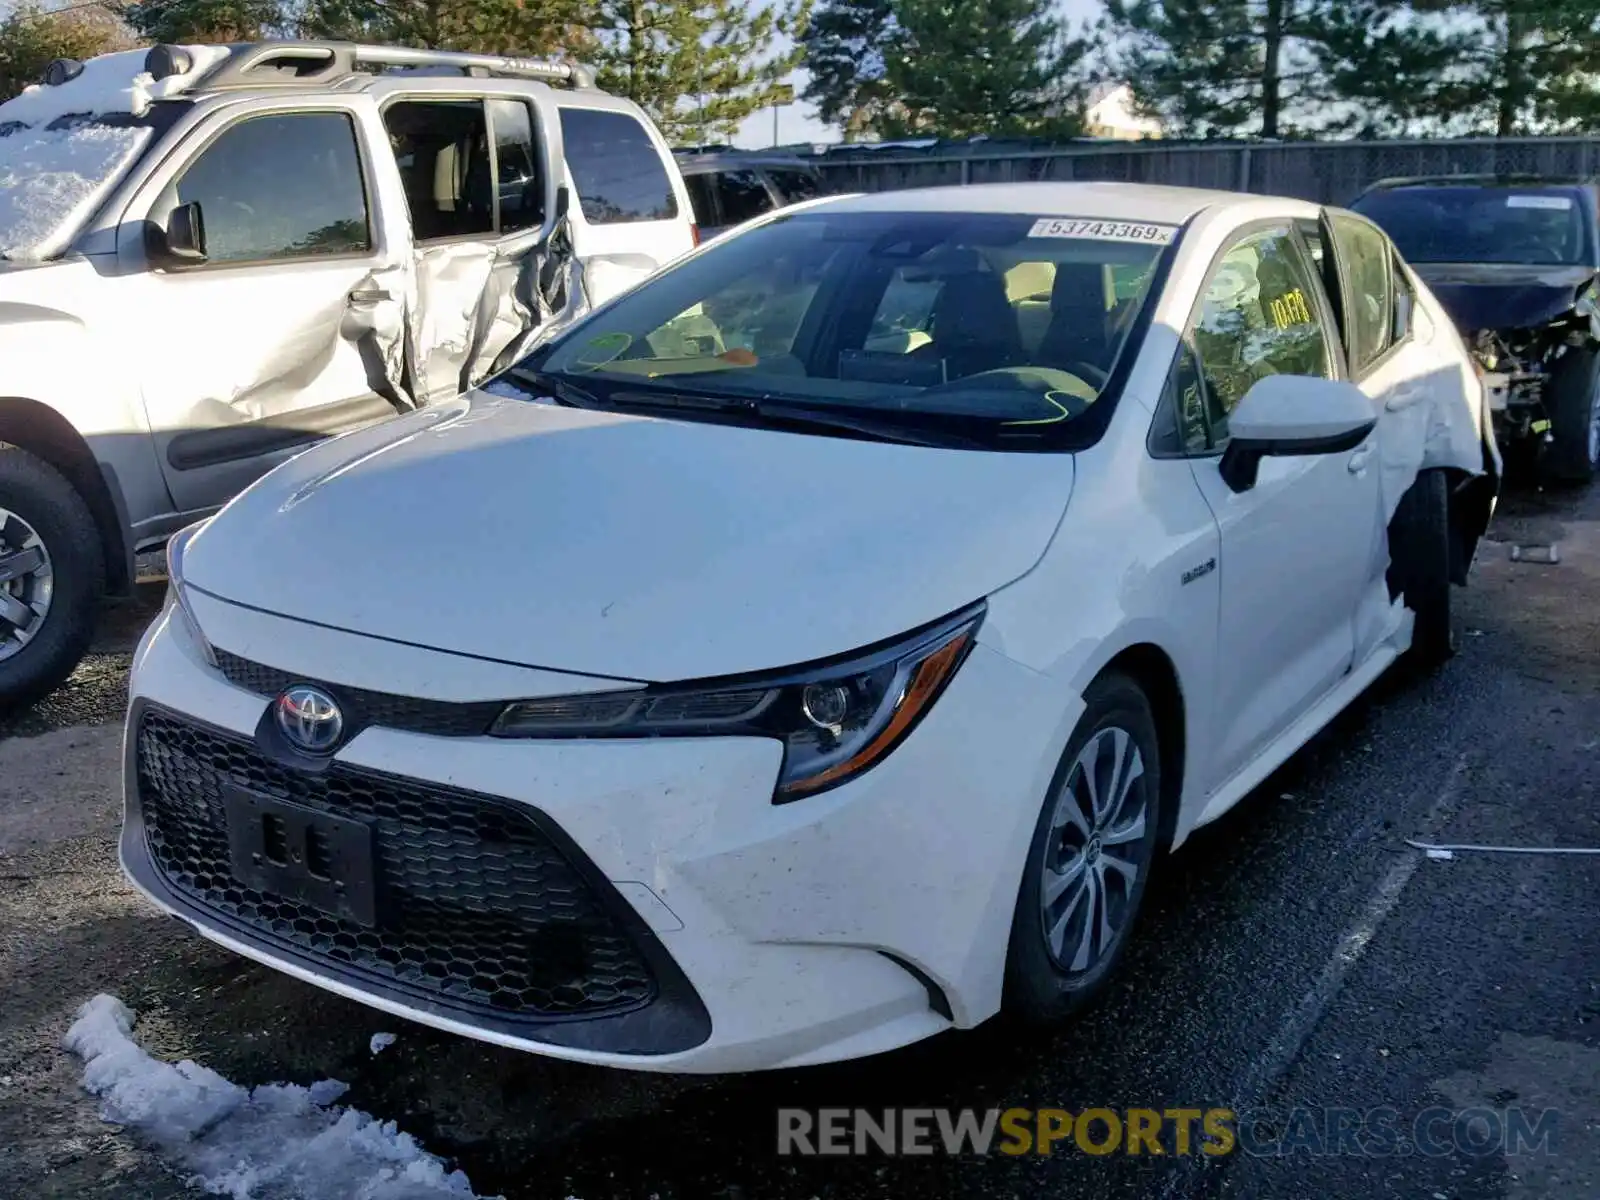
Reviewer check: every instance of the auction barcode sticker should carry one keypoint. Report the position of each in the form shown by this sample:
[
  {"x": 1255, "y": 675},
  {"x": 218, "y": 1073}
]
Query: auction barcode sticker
[
  {"x": 1144, "y": 232},
  {"x": 1553, "y": 203}
]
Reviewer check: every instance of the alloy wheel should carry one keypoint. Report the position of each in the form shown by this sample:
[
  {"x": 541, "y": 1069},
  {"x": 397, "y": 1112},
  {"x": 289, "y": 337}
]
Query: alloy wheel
[
  {"x": 1095, "y": 851},
  {"x": 27, "y": 583}
]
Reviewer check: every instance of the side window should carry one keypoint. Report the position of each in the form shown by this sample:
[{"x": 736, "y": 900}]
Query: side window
[
  {"x": 742, "y": 196},
  {"x": 519, "y": 192},
  {"x": 280, "y": 187},
  {"x": 702, "y": 198},
  {"x": 1258, "y": 317},
  {"x": 905, "y": 312},
  {"x": 615, "y": 168},
  {"x": 1364, "y": 262},
  {"x": 1405, "y": 300},
  {"x": 442, "y": 148},
  {"x": 796, "y": 185}
]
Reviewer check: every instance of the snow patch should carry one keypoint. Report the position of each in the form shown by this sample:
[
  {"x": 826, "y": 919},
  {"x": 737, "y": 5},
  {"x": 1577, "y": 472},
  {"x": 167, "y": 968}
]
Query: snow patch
[
  {"x": 381, "y": 1042},
  {"x": 52, "y": 179},
  {"x": 109, "y": 83},
  {"x": 278, "y": 1140}
]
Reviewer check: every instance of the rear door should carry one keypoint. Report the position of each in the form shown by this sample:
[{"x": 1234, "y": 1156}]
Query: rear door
[
  {"x": 286, "y": 331},
  {"x": 630, "y": 212},
  {"x": 475, "y": 165},
  {"x": 1404, "y": 375}
]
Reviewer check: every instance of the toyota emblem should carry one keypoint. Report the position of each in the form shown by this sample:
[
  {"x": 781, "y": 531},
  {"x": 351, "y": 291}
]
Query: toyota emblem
[{"x": 310, "y": 719}]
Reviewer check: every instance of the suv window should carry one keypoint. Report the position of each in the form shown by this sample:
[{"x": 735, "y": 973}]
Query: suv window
[
  {"x": 795, "y": 185},
  {"x": 1369, "y": 297},
  {"x": 616, "y": 168},
  {"x": 519, "y": 192},
  {"x": 1259, "y": 316},
  {"x": 277, "y": 187},
  {"x": 742, "y": 196},
  {"x": 442, "y": 148},
  {"x": 702, "y": 198}
]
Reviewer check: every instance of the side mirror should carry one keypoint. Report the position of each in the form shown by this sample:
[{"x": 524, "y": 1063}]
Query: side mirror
[
  {"x": 183, "y": 242},
  {"x": 1289, "y": 416}
]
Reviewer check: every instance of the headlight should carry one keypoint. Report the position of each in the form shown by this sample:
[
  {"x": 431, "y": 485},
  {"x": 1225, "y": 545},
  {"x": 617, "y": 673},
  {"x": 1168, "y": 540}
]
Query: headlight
[
  {"x": 176, "y": 600},
  {"x": 835, "y": 719}
]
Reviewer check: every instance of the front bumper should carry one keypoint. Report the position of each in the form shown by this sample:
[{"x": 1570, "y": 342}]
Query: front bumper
[{"x": 854, "y": 922}]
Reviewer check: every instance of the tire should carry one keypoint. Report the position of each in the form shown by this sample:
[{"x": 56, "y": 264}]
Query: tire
[
  {"x": 1421, "y": 542},
  {"x": 1046, "y": 982},
  {"x": 1573, "y": 401},
  {"x": 40, "y": 509}
]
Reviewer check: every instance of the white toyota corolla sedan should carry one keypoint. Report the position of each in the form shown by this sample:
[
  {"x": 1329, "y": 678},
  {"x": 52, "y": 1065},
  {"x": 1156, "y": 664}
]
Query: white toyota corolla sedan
[{"x": 816, "y": 647}]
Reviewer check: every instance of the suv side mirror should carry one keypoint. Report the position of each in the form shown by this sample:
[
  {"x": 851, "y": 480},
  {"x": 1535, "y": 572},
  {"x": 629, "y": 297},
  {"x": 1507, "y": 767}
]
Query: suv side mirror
[
  {"x": 1292, "y": 415},
  {"x": 183, "y": 241}
]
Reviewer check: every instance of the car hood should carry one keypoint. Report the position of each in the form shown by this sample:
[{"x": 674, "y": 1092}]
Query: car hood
[
  {"x": 1503, "y": 295},
  {"x": 626, "y": 546}
]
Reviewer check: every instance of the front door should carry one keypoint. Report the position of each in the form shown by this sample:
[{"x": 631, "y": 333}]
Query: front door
[
  {"x": 288, "y": 328},
  {"x": 1296, "y": 547}
]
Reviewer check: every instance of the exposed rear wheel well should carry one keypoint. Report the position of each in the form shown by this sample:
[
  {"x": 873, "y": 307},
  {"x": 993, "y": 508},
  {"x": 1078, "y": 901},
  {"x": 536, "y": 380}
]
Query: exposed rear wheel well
[
  {"x": 46, "y": 434},
  {"x": 1148, "y": 666}
]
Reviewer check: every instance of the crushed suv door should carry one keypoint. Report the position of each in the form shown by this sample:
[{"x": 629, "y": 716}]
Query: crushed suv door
[
  {"x": 267, "y": 291},
  {"x": 492, "y": 242}
]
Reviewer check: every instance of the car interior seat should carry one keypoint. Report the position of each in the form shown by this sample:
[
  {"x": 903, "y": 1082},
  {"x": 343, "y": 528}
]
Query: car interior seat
[
  {"x": 1080, "y": 327},
  {"x": 973, "y": 326}
]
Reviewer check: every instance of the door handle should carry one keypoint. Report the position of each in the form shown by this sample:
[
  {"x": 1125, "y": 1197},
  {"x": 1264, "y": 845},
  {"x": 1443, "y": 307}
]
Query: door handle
[
  {"x": 1404, "y": 399},
  {"x": 370, "y": 296},
  {"x": 1358, "y": 460}
]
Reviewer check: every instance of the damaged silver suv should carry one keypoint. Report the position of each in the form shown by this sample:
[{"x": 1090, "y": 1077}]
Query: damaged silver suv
[{"x": 212, "y": 256}]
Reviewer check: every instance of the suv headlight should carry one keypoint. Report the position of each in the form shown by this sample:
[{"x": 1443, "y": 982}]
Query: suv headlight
[
  {"x": 835, "y": 719},
  {"x": 176, "y": 600}
]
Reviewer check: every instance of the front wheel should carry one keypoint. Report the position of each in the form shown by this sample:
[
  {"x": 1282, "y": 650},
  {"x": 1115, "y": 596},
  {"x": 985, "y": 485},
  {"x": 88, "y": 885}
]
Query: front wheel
[
  {"x": 1090, "y": 857},
  {"x": 1573, "y": 456},
  {"x": 52, "y": 574}
]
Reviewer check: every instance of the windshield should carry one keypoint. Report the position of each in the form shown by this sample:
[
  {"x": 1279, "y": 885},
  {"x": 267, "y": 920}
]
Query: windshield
[
  {"x": 53, "y": 176},
  {"x": 1003, "y": 326},
  {"x": 1481, "y": 224}
]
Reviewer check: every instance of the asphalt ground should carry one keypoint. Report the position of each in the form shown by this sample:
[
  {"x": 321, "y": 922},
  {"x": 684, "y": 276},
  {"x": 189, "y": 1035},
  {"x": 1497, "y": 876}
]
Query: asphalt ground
[{"x": 1374, "y": 1018}]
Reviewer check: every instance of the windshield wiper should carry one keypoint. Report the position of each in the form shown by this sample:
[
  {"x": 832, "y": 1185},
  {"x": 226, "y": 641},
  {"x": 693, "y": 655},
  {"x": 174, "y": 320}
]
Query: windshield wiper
[
  {"x": 800, "y": 416},
  {"x": 558, "y": 387}
]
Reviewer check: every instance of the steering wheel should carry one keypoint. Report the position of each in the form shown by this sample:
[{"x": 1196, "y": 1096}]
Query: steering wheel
[{"x": 1089, "y": 373}]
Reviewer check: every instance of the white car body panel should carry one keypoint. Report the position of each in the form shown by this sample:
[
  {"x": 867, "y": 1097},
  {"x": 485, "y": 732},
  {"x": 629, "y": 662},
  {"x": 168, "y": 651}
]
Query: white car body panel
[
  {"x": 611, "y": 549},
  {"x": 644, "y": 549}
]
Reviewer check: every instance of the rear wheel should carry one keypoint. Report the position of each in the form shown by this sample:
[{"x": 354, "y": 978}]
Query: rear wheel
[
  {"x": 52, "y": 574},
  {"x": 1090, "y": 857},
  {"x": 1573, "y": 456},
  {"x": 1420, "y": 545}
]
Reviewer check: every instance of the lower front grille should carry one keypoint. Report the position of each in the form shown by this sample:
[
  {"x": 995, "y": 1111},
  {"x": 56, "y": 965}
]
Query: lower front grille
[{"x": 478, "y": 906}]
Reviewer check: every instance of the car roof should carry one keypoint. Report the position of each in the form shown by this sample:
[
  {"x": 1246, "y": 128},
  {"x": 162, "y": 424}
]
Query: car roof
[
  {"x": 1107, "y": 201},
  {"x": 1507, "y": 179},
  {"x": 692, "y": 162}
]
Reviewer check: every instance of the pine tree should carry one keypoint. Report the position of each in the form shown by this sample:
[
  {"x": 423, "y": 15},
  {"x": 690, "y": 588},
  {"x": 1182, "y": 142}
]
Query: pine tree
[
  {"x": 32, "y": 38},
  {"x": 698, "y": 67},
  {"x": 844, "y": 55},
  {"x": 206, "y": 20},
  {"x": 1213, "y": 67},
  {"x": 1386, "y": 69},
  {"x": 965, "y": 67},
  {"x": 1528, "y": 66},
  {"x": 543, "y": 29}
]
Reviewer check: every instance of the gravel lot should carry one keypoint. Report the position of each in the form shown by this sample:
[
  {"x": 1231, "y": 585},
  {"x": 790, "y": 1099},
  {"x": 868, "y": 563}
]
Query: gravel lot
[{"x": 1298, "y": 952}]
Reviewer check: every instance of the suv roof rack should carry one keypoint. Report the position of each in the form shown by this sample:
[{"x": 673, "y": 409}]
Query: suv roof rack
[{"x": 320, "y": 63}]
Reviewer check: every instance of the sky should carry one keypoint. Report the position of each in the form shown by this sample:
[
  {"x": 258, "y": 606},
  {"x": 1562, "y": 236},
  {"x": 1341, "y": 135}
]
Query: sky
[{"x": 798, "y": 122}]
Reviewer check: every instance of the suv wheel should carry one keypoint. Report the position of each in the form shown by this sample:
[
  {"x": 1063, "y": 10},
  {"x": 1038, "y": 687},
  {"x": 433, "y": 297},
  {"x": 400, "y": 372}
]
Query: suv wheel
[
  {"x": 52, "y": 573},
  {"x": 1573, "y": 455}
]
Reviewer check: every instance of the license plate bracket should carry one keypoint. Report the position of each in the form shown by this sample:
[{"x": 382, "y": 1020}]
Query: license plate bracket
[{"x": 302, "y": 854}]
